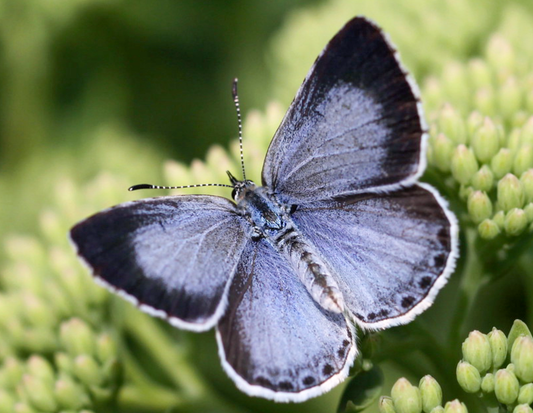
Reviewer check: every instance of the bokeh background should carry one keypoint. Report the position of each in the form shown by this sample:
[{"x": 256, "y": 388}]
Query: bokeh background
[{"x": 97, "y": 95}]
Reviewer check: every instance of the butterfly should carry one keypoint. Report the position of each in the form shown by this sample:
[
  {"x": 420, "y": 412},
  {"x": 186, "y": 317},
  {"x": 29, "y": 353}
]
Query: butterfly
[{"x": 340, "y": 232}]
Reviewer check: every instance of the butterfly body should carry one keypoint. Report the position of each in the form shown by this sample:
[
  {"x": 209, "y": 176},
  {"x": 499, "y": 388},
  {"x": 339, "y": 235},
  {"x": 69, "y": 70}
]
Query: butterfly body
[{"x": 340, "y": 232}]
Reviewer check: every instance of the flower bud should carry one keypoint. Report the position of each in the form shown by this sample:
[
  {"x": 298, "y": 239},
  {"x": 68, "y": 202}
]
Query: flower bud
[
  {"x": 465, "y": 191},
  {"x": 522, "y": 358},
  {"x": 6, "y": 401},
  {"x": 485, "y": 101},
  {"x": 525, "y": 395},
  {"x": 451, "y": 123},
  {"x": 515, "y": 222},
  {"x": 477, "y": 352},
  {"x": 479, "y": 206},
  {"x": 510, "y": 97},
  {"x": 464, "y": 164},
  {"x": 474, "y": 121},
  {"x": 527, "y": 183},
  {"x": 38, "y": 393},
  {"x": 455, "y": 406},
  {"x": 39, "y": 367},
  {"x": 480, "y": 73},
  {"x": 483, "y": 179},
  {"x": 87, "y": 370},
  {"x": 442, "y": 152},
  {"x": 519, "y": 328},
  {"x": 77, "y": 337},
  {"x": 502, "y": 163},
  {"x": 106, "y": 348},
  {"x": 510, "y": 193},
  {"x": 488, "y": 229},
  {"x": 437, "y": 409},
  {"x": 386, "y": 405},
  {"x": 514, "y": 141},
  {"x": 487, "y": 383},
  {"x": 468, "y": 377},
  {"x": 498, "y": 346},
  {"x": 499, "y": 219},
  {"x": 12, "y": 372},
  {"x": 523, "y": 408},
  {"x": 500, "y": 53},
  {"x": 506, "y": 386},
  {"x": 430, "y": 392},
  {"x": 69, "y": 394},
  {"x": 528, "y": 209},
  {"x": 23, "y": 408},
  {"x": 523, "y": 159},
  {"x": 406, "y": 397},
  {"x": 485, "y": 141},
  {"x": 64, "y": 363}
]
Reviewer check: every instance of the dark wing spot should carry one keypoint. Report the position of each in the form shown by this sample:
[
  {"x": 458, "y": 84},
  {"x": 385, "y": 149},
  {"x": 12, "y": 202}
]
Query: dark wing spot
[
  {"x": 345, "y": 343},
  {"x": 263, "y": 381},
  {"x": 341, "y": 351},
  {"x": 440, "y": 259},
  {"x": 425, "y": 282},
  {"x": 285, "y": 385},
  {"x": 307, "y": 381},
  {"x": 444, "y": 234},
  {"x": 384, "y": 312},
  {"x": 371, "y": 316},
  {"x": 327, "y": 370},
  {"x": 408, "y": 301}
]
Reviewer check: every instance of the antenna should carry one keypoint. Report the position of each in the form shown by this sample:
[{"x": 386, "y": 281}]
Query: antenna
[
  {"x": 149, "y": 186},
  {"x": 239, "y": 120}
]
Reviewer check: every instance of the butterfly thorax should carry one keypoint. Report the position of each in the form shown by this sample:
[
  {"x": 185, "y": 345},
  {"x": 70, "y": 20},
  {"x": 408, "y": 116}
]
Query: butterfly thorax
[{"x": 271, "y": 220}]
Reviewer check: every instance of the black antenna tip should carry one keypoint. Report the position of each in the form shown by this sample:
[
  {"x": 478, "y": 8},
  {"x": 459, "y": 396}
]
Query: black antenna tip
[{"x": 140, "y": 186}]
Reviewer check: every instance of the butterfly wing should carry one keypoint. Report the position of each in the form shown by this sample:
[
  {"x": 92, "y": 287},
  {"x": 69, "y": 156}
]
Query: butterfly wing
[
  {"x": 174, "y": 256},
  {"x": 275, "y": 341},
  {"x": 390, "y": 253},
  {"x": 355, "y": 124}
]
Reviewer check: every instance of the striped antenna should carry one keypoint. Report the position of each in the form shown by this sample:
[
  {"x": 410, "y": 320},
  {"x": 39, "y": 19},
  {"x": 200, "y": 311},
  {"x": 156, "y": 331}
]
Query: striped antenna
[
  {"x": 238, "y": 108},
  {"x": 149, "y": 186}
]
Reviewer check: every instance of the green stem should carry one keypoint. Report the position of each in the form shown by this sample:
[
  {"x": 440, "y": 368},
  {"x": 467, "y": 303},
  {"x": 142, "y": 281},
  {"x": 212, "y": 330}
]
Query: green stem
[{"x": 151, "y": 398}]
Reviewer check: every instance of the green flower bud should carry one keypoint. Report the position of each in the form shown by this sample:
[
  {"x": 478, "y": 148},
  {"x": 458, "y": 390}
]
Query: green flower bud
[
  {"x": 406, "y": 397},
  {"x": 506, "y": 386},
  {"x": 500, "y": 53},
  {"x": 526, "y": 134},
  {"x": 515, "y": 221},
  {"x": 437, "y": 409},
  {"x": 442, "y": 152},
  {"x": 38, "y": 393},
  {"x": 485, "y": 100},
  {"x": 479, "y": 206},
  {"x": 514, "y": 141},
  {"x": 36, "y": 312},
  {"x": 106, "y": 348},
  {"x": 455, "y": 406},
  {"x": 523, "y": 408},
  {"x": 69, "y": 394},
  {"x": 39, "y": 367},
  {"x": 430, "y": 392},
  {"x": 483, "y": 179},
  {"x": 455, "y": 82},
  {"x": 522, "y": 358},
  {"x": 465, "y": 191},
  {"x": 386, "y": 405},
  {"x": 510, "y": 97},
  {"x": 477, "y": 352},
  {"x": 510, "y": 193},
  {"x": 519, "y": 328},
  {"x": 12, "y": 372},
  {"x": 502, "y": 163},
  {"x": 468, "y": 377},
  {"x": 87, "y": 370},
  {"x": 474, "y": 121},
  {"x": 498, "y": 345},
  {"x": 525, "y": 395},
  {"x": 528, "y": 209},
  {"x": 487, "y": 383},
  {"x": 523, "y": 160},
  {"x": 527, "y": 183},
  {"x": 451, "y": 123},
  {"x": 485, "y": 141},
  {"x": 488, "y": 229},
  {"x": 77, "y": 337},
  {"x": 464, "y": 164},
  {"x": 64, "y": 363}
]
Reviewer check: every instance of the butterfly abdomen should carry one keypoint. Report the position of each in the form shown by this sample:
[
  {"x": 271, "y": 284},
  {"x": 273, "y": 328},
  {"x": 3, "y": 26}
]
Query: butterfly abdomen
[{"x": 310, "y": 267}]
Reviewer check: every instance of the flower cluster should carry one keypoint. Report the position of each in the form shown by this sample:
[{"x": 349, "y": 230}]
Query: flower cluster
[
  {"x": 483, "y": 370},
  {"x": 483, "y": 136},
  {"x": 427, "y": 398}
]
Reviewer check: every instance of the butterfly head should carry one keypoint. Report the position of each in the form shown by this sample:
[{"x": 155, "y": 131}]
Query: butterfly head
[{"x": 240, "y": 188}]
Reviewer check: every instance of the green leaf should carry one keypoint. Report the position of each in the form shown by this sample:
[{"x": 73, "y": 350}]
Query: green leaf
[
  {"x": 362, "y": 390},
  {"x": 519, "y": 328}
]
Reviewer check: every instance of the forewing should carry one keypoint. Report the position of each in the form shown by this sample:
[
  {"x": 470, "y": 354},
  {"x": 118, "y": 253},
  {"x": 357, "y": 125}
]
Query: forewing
[
  {"x": 390, "y": 253},
  {"x": 174, "y": 256},
  {"x": 275, "y": 341},
  {"x": 355, "y": 125}
]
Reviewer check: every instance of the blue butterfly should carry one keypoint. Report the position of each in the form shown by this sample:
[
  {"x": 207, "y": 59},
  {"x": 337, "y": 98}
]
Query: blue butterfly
[{"x": 339, "y": 233}]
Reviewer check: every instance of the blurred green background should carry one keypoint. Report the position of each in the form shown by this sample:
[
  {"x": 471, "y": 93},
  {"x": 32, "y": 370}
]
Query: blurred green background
[{"x": 96, "y": 95}]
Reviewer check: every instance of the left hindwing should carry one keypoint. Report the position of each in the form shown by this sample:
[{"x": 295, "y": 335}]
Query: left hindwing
[
  {"x": 389, "y": 253},
  {"x": 355, "y": 124},
  {"x": 174, "y": 256}
]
